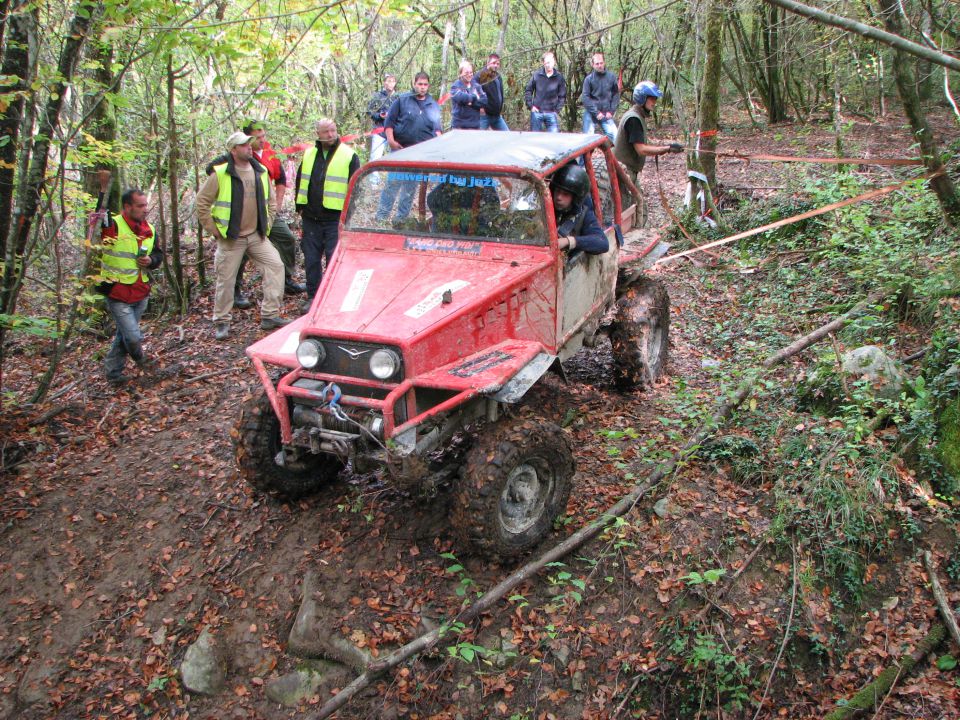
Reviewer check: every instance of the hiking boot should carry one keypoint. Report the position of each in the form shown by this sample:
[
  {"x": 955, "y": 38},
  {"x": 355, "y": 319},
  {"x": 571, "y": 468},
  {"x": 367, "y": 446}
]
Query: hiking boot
[
  {"x": 272, "y": 323},
  {"x": 293, "y": 288},
  {"x": 221, "y": 330},
  {"x": 119, "y": 380},
  {"x": 240, "y": 302}
]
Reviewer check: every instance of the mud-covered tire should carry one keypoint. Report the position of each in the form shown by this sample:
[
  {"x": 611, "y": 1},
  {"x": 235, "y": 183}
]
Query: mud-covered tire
[
  {"x": 257, "y": 444},
  {"x": 605, "y": 188},
  {"x": 515, "y": 481},
  {"x": 640, "y": 335}
]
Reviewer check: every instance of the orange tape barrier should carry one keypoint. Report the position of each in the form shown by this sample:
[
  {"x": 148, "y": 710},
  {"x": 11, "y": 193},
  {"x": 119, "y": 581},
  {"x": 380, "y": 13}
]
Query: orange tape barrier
[{"x": 802, "y": 216}]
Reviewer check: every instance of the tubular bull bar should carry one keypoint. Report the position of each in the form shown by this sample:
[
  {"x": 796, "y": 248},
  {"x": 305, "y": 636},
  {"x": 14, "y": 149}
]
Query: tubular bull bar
[{"x": 285, "y": 388}]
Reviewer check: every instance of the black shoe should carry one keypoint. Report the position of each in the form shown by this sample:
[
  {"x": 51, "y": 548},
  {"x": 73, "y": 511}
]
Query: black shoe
[
  {"x": 119, "y": 380},
  {"x": 293, "y": 288},
  {"x": 240, "y": 301}
]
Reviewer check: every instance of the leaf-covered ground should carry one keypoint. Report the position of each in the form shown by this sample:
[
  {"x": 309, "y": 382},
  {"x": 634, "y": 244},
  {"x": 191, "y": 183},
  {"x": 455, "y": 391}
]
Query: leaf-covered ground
[{"x": 125, "y": 532}]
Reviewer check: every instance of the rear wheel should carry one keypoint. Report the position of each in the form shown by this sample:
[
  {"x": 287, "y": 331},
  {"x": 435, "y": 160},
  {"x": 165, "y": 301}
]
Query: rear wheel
[
  {"x": 640, "y": 335},
  {"x": 258, "y": 449},
  {"x": 516, "y": 480}
]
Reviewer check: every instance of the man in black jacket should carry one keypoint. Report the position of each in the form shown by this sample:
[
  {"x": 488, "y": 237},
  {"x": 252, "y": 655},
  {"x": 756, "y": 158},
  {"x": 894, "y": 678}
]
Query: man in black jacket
[
  {"x": 545, "y": 95},
  {"x": 492, "y": 84},
  {"x": 600, "y": 98}
]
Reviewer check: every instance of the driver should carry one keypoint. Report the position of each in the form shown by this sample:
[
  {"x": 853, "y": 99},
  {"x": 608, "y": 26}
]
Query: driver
[{"x": 577, "y": 226}]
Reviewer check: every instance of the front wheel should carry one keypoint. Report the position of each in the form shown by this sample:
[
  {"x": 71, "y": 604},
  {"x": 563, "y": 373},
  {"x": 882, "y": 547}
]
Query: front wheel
[
  {"x": 640, "y": 335},
  {"x": 516, "y": 480},
  {"x": 258, "y": 449}
]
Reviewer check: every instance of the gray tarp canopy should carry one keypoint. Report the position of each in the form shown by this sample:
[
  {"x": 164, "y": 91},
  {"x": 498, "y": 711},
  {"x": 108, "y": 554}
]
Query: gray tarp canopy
[{"x": 536, "y": 151}]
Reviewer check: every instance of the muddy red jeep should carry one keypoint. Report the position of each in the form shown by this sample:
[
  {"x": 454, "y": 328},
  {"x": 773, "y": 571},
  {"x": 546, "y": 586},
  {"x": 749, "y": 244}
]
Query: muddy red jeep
[{"x": 446, "y": 300}]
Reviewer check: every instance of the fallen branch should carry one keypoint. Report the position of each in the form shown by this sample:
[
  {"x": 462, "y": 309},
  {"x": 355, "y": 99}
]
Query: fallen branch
[
  {"x": 52, "y": 413},
  {"x": 868, "y": 696},
  {"x": 723, "y": 411},
  {"x": 941, "y": 597}
]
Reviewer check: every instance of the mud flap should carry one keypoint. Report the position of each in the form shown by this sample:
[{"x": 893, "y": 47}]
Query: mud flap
[{"x": 516, "y": 387}]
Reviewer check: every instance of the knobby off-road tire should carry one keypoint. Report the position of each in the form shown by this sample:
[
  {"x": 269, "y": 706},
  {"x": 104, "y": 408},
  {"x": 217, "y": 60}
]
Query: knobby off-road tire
[
  {"x": 515, "y": 481},
  {"x": 258, "y": 442},
  {"x": 605, "y": 188},
  {"x": 640, "y": 335}
]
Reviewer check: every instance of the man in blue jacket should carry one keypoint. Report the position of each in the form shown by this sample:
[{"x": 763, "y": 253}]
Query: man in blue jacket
[
  {"x": 545, "y": 95},
  {"x": 600, "y": 98},
  {"x": 413, "y": 118},
  {"x": 492, "y": 85}
]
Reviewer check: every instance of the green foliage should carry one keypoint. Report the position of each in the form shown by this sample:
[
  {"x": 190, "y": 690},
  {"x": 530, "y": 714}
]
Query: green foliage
[
  {"x": 711, "y": 577},
  {"x": 38, "y": 326},
  {"x": 714, "y": 674}
]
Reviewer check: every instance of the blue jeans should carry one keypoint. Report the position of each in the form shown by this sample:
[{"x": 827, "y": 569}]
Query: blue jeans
[
  {"x": 394, "y": 189},
  {"x": 493, "y": 122},
  {"x": 129, "y": 338},
  {"x": 319, "y": 241},
  {"x": 607, "y": 125},
  {"x": 548, "y": 121}
]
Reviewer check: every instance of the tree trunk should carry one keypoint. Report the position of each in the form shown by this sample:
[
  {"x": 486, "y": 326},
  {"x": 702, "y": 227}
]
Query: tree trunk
[
  {"x": 504, "y": 21},
  {"x": 29, "y": 202},
  {"x": 173, "y": 175},
  {"x": 20, "y": 33},
  {"x": 772, "y": 60},
  {"x": 710, "y": 95},
  {"x": 905, "y": 79}
]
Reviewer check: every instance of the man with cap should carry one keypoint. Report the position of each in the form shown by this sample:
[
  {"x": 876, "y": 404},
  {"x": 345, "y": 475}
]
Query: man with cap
[
  {"x": 235, "y": 205},
  {"x": 281, "y": 237},
  {"x": 322, "y": 180}
]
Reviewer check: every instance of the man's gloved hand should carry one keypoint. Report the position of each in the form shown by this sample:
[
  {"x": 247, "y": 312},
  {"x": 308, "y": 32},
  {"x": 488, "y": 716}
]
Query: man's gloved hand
[{"x": 676, "y": 148}]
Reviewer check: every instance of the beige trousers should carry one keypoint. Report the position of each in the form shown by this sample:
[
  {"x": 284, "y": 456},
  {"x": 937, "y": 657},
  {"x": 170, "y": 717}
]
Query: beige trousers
[{"x": 227, "y": 260}]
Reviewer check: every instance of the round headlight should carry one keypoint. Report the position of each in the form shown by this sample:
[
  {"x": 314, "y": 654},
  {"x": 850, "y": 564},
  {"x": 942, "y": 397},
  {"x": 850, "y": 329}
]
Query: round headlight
[
  {"x": 310, "y": 354},
  {"x": 384, "y": 364}
]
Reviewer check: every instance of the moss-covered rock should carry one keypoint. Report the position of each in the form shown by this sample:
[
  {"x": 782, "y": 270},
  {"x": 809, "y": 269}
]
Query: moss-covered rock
[{"x": 948, "y": 439}]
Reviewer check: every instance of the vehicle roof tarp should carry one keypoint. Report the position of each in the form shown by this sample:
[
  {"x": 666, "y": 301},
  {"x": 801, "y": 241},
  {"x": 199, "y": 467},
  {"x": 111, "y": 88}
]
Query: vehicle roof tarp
[{"x": 535, "y": 151}]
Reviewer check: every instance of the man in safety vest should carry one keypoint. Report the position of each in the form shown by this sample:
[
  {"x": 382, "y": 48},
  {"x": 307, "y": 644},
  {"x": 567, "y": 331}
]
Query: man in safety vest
[
  {"x": 322, "y": 180},
  {"x": 235, "y": 205},
  {"x": 129, "y": 249},
  {"x": 283, "y": 240}
]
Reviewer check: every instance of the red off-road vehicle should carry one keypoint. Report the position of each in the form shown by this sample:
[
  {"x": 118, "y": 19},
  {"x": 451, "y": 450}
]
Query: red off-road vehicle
[{"x": 435, "y": 321}]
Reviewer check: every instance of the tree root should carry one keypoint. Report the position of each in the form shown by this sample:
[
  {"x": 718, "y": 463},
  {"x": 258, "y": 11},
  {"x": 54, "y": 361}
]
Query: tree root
[{"x": 871, "y": 695}]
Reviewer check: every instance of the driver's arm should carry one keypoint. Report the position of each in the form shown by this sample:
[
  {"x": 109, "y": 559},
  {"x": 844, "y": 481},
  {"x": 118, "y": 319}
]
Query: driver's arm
[{"x": 591, "y": 240}]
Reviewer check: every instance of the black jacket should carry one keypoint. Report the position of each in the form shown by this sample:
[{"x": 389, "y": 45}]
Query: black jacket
[
  {"x": 379, "y": 105},
  {"x": 549, "y": 94},
  {"x": 583, "y": 226},
  {"x": 494, "y": 91},
  {"x": 601, "y": 93}
]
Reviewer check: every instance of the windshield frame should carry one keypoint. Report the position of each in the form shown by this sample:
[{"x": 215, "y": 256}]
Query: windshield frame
[{"x": 422, "y": 217}]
